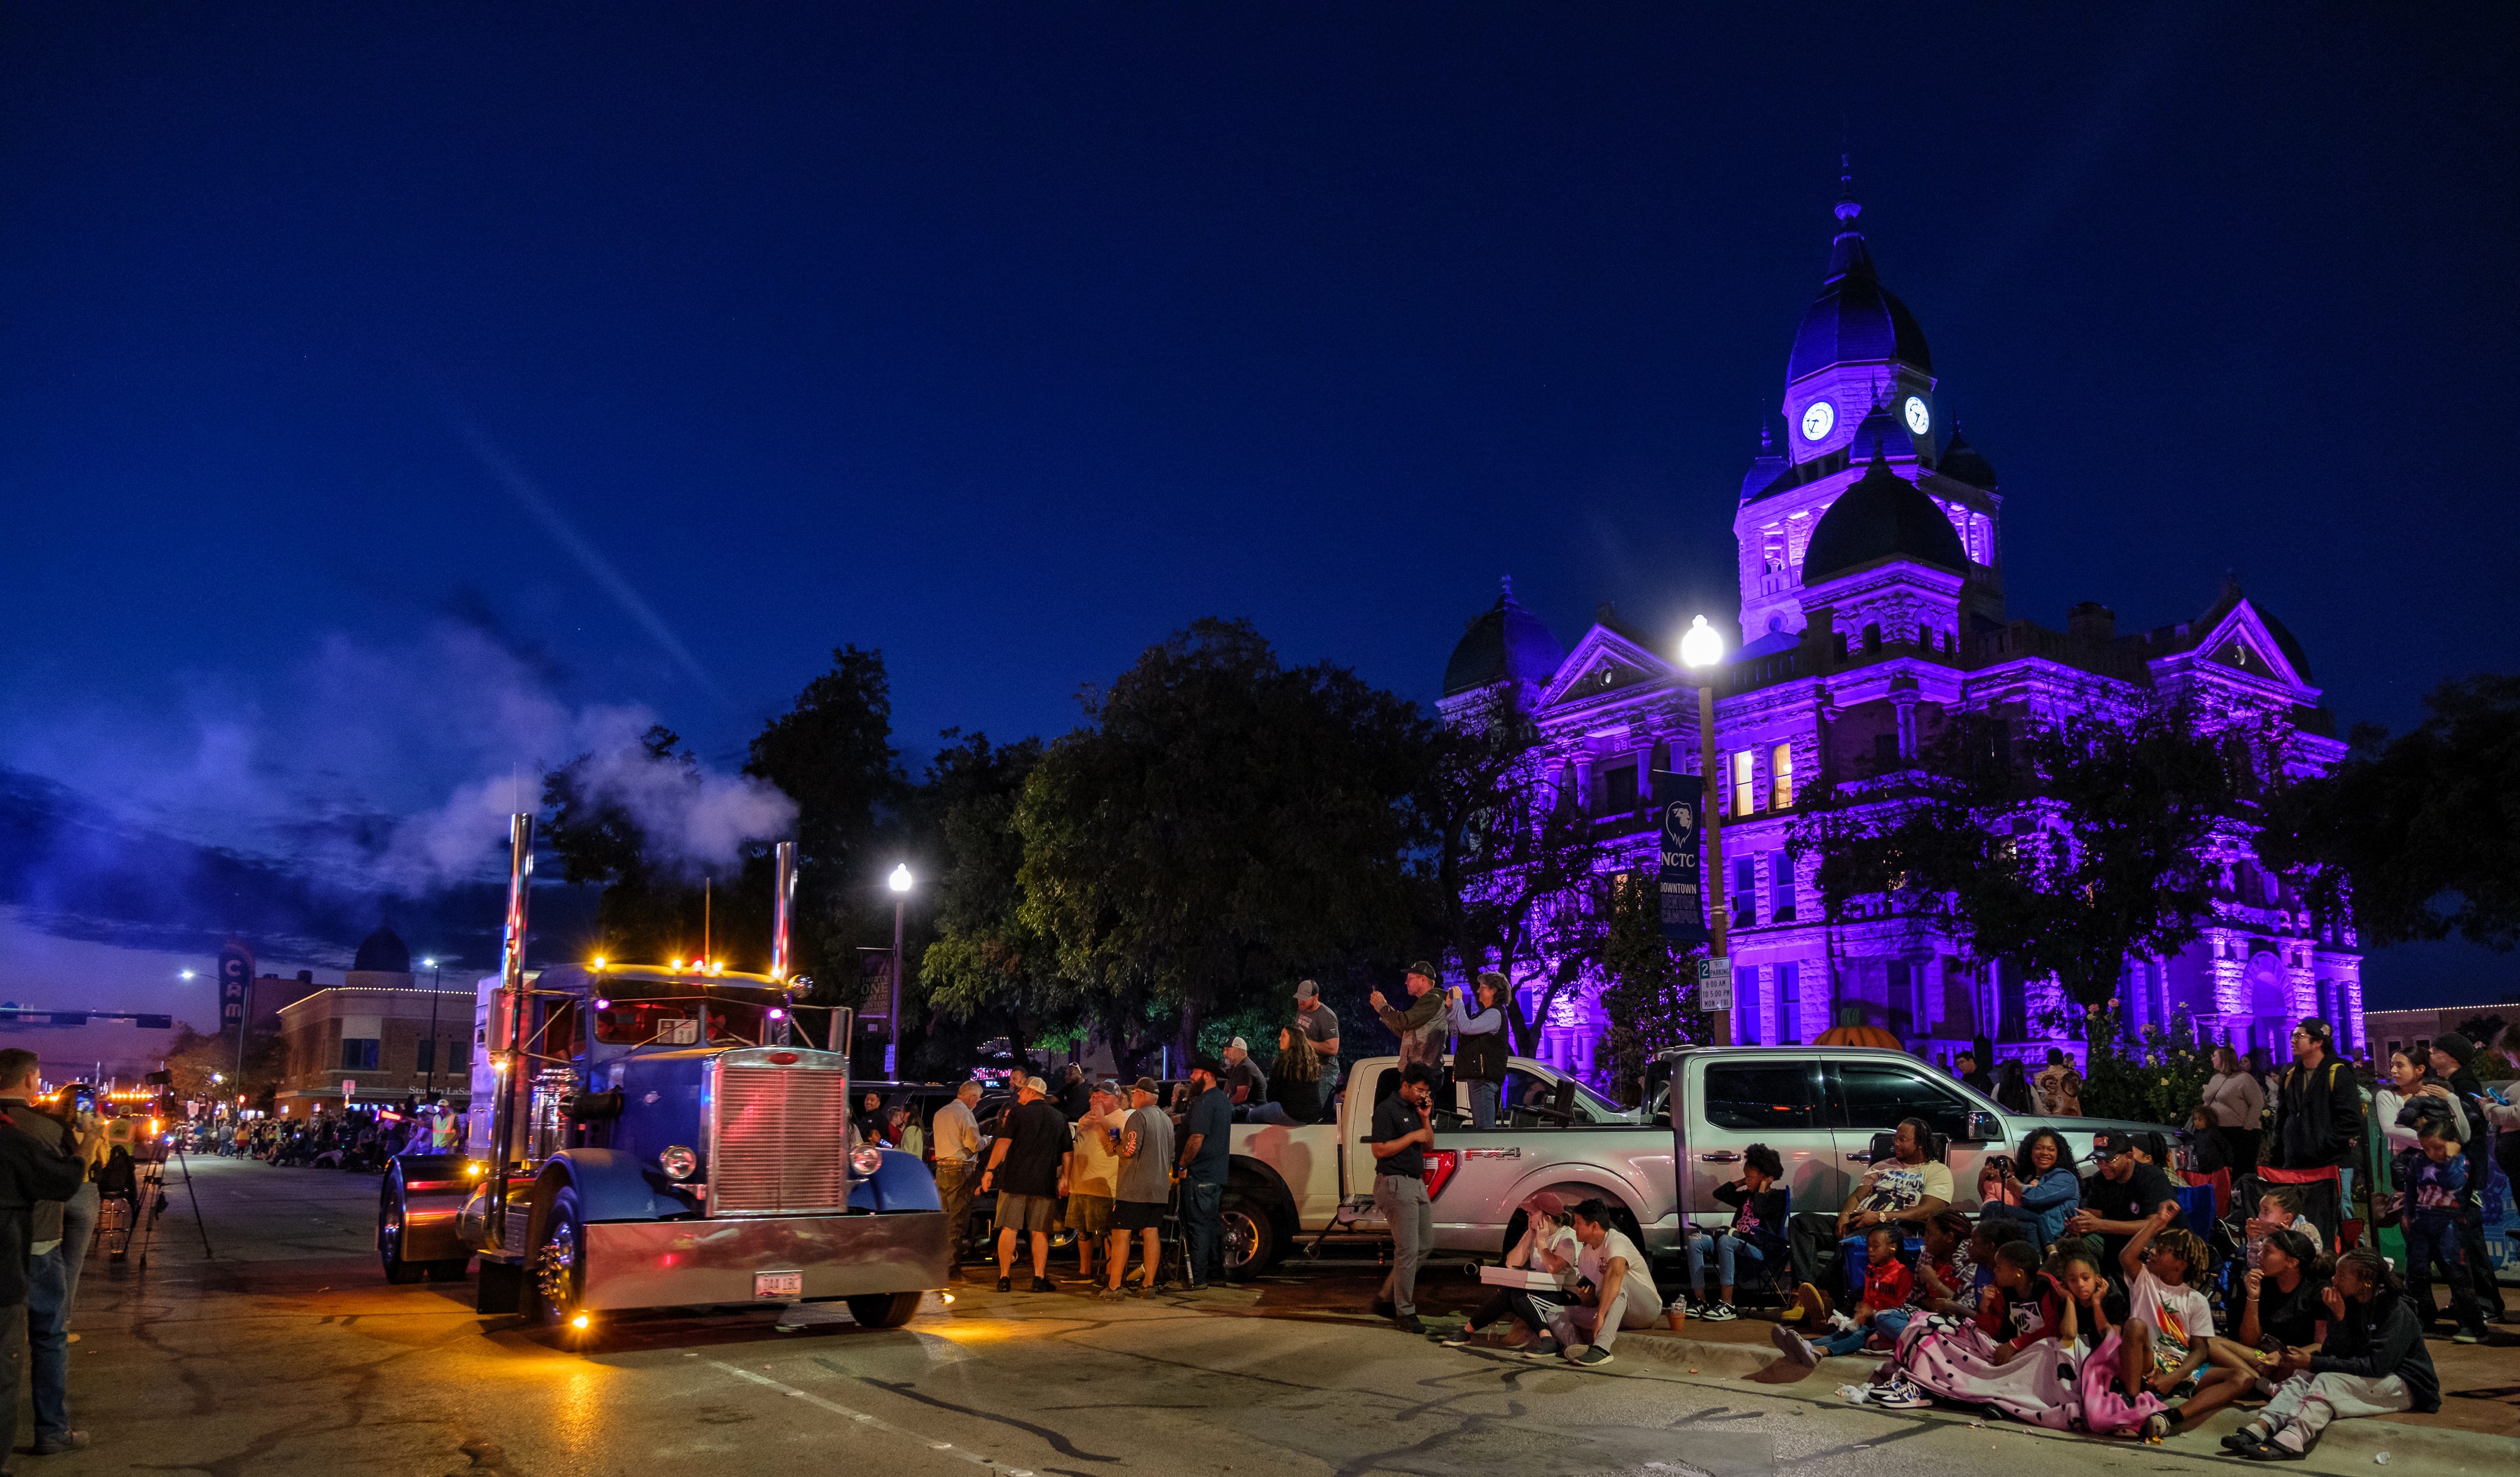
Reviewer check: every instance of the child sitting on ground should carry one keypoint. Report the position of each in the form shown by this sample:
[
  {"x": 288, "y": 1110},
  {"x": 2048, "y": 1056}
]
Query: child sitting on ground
[
  {"x": 1887, "y": 1282},
  {"x": 2374, "y": 1363},
  {"x": 2010, "y": 1360},
  {"x": 2154, "y": 1352}
]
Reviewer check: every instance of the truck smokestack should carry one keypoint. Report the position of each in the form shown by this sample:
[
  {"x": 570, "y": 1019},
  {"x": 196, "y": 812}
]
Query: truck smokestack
[{"x": 783, "y": 909}]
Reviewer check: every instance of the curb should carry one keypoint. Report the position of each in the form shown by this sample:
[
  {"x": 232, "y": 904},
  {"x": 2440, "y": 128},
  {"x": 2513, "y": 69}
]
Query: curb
[{"x": 2358, "y": 1443}]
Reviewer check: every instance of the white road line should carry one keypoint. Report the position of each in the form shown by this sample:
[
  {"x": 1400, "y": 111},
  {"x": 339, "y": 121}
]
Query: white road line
[{"x": 863, "y": 1418}]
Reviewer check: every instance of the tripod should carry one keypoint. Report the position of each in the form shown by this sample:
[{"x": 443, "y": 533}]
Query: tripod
[{"x": 157, "y": 1204}]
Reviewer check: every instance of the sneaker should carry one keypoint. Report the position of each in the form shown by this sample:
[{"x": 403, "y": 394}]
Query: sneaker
[
  {"x": 1109, "y": 1294},
  {"x": 1141, "y": 1289},
  {"x": 1044, "y": 1284},
  {"x": 1588, "y": 1356},
  {"x": 1809, "y": 1302},
  {"x": 2243, "y": 1439},
  {"x": 1407, "y": 1322},
  {"x": 1899, "y": 1395},
  {"x": 1458, "y": 1338},
  {"x": 1794, "y": 1346},
  {"x": 1006, "y": 1284},
  {"x": 2467, "y": 1336},
  {"x": 1718, "y": 1313},
  {"x": 1384, "y": 1307},
  {"x": 2155, "y": 1427},
  {"x": 2268, "y": 1451},
  {"x": 1543, "y": 1348},
  {"x": 68, "y": 1441}
]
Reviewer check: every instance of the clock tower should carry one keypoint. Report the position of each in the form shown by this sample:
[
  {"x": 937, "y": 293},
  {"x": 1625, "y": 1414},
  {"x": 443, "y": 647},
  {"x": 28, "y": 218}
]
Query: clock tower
[{"x": 1859, "y": 388}]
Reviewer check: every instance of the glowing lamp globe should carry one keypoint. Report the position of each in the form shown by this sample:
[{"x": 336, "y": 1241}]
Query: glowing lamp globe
[
  {"x": 900, "y": 879},
  {"x": 1703, "y": 646}
]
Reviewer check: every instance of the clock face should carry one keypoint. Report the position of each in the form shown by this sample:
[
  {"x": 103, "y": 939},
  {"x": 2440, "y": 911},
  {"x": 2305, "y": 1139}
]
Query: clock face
[
  {"x": 1818, "y": 420},
  {"x": 1919, "y": 418}
]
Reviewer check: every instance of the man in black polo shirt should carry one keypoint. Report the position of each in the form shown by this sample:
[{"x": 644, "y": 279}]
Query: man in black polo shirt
[
  {"x": 1400, "y": 1140},
  {"x": 2126, "y": 1193}
]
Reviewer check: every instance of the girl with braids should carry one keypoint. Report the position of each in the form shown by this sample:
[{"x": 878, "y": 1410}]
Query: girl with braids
[
  {"x": 2011, "y": 1357},
  {"x": 2280, "y": 1307},
  {"x": 2373, "y": 1363}
]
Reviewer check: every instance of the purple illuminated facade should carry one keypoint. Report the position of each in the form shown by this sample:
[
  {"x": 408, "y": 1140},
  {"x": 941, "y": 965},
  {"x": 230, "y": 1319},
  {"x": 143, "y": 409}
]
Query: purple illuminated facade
[{"x": 1872, "y": 599}]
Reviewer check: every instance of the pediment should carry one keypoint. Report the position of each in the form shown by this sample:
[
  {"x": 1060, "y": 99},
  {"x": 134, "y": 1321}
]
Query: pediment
[
  {"x": 1604, "y": 663},
  {"x": 2242, "y": 643}
]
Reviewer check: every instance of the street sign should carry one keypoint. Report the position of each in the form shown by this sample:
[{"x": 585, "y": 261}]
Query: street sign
[
  {"x": 1715, "y": 985},
  {"x": 349, "y": 1088},
  {"x": 1684, "y": 911}
]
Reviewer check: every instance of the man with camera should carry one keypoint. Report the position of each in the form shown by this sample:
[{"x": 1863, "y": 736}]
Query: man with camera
[{"x": 38, "y": 1176}]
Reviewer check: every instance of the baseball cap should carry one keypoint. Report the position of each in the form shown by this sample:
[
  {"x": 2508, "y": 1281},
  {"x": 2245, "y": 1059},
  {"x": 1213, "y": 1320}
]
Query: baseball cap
[
  {"x": 1306, "y": 990},
  {"x": 2455, "y": 1046},
  {"x": 1240, "y": 1045},
  {"x": 1545, "y": 1202},
  {"x": 2108, "y": 1143},
  {"x": 1038, "y": 1086},
  {"x": 1209, "y": 1065},
  {"x": 1426, "y": 969},
  {"x": 1146, "y": 1085},
  {"x": 2316, "y": 1030}
]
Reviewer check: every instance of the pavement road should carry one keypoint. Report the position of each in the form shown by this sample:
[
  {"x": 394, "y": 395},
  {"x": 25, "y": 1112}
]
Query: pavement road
[{"x": 286, "y": 1353}]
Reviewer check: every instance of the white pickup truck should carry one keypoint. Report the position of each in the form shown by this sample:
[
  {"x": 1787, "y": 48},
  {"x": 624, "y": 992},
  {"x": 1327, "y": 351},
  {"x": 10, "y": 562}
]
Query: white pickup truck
[{"x": 1818, "y": 1107}]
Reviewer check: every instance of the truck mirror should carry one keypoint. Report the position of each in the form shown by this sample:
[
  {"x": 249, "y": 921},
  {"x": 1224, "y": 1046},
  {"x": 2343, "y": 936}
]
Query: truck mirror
[{"x": 1983, "y": 1127}]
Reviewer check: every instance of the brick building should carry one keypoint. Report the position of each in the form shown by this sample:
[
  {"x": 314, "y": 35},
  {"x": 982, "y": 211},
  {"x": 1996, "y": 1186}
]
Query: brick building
[{"x": 379, "y": 1030}]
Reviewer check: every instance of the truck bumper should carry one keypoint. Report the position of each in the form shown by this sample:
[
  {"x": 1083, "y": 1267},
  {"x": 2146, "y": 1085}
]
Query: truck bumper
[{"x": 679, "y": 1264}]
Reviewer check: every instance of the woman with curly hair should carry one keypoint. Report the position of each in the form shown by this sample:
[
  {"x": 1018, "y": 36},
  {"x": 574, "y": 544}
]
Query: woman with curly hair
[{"x": 2043, "y": 1182}]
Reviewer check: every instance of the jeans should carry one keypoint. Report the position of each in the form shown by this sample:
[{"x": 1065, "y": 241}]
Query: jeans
[
  {"x": 1889, "y": 1323},
  {"x": 1274, "y": 1113},
  {"x": 1202, "y": 1214},
  {"x": 2440, "y": 1239},
  {"x": 1402, "y": 1199},
  {"x": 1810, "y": 1240},
  {"x": 1727, "y": 1247},
  {"x": 79, "y": 1216},
  {"x": 1599, "y": 1325},
  {"x": 48, "y": 1330},
  {"x": 1483, "y": 1104},
  {"x": 12, "y": 1366}
]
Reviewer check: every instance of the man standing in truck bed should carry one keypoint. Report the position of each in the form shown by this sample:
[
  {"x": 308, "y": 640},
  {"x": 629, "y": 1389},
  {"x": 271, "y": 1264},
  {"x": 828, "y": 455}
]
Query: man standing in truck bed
[{"x": 1421, "y": 1027}]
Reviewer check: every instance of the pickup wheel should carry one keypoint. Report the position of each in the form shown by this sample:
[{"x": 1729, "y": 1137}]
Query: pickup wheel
[
  {"x": 883, "y": 1310},
  {"x": 1252, "y": 1244},
  {"x": 390, "y": 1229}
]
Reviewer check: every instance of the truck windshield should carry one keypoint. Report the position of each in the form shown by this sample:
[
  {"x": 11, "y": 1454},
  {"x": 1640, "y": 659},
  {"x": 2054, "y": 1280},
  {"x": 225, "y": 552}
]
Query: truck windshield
[{"x": 636, "y": 1023}]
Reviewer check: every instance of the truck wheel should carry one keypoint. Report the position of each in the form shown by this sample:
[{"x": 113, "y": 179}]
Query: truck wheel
[
  {"x": 883, "y": 1310},
  {"x": 558, "y": 1271},
  {"x": 1251, "y": 1240},
  {"x": 389, "y": 1224}
]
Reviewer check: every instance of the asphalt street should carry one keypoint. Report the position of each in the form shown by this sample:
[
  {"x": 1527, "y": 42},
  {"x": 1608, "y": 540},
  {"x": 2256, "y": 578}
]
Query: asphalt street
[{"x": 285, "y": 1352}]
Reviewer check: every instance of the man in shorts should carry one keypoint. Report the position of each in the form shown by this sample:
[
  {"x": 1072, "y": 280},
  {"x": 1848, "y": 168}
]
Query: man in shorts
[
  {"x": 1143, "y": 1187},
  {"x": 1092, "y": 1167},
  {"x": 1028, "y": 1171}
]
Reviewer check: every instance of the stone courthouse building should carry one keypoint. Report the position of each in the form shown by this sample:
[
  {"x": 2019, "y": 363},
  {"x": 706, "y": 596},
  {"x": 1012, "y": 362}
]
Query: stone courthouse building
[{"x": 1871, "y": 569}]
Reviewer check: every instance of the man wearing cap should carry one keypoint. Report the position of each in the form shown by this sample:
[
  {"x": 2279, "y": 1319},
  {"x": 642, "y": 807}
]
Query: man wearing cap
[
  {"x": 2126, "y": 1194},
  {"x": 1243, "y": 1082},
  {"x": 1031, "y": 1156},
  {"x": 2319, "y": 1107},
  {"x": 1320, "y": 1030},
  {"x": 2452, "y": 1056},
  {"x": 1143, "y": 1185},
  {"x": 1206, "y": 1156},
  {"x": 1401, "y": 1137},
  {"x": 1421, "y": 1027}
]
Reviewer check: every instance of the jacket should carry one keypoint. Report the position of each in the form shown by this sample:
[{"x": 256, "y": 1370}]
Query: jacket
[
  {"x": 2052, "y": 1199},
  {"x": 2318, "y": 1114},
  {"x": 2376, "y": 1340},
  {"x": 2235, "y": 1100},
  {"x": 31, "y": 1171},
  {"x": 1421, "y": 1029},
  {"x": 1480, "y": 1055},
  {"x": 57, "y": 1135}
]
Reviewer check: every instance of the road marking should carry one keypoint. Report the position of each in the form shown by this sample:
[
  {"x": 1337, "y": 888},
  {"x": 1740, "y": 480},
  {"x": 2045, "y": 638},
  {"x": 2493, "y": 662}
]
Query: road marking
[{"x": 863, "y": 1418}]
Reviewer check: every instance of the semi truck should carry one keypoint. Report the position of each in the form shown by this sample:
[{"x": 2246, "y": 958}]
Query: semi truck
[{"x": 661, "y": 1135}]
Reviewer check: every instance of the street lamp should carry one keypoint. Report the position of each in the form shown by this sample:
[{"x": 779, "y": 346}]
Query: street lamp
[
  {"x": 899, "y": 882},
  {"x": 436, "y": 978},
  {"x": 183, "y": 974},
  {"x": 1702, "y": 649}
]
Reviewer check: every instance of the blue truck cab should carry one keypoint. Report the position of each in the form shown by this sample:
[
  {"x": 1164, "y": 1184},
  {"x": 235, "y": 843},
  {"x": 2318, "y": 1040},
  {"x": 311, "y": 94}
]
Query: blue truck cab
[{"x": 680, "y": 1138}]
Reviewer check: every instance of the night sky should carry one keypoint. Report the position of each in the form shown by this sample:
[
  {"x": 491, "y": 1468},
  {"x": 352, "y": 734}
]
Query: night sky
[{"x": 370, "y": 376}]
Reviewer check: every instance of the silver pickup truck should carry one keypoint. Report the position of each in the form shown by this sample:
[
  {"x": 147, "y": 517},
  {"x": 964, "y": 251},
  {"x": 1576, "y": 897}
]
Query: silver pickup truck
[{"x": 1818, "y": 1107}]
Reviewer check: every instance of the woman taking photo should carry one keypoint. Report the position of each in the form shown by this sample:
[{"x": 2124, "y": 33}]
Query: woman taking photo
[{"x": 2238, "y": 1103}]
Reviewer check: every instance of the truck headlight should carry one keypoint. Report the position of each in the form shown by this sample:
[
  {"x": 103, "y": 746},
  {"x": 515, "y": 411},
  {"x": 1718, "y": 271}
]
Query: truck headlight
[
  {"x": 679, "y": 1163},
  {"x": 866, "y": 1161}
]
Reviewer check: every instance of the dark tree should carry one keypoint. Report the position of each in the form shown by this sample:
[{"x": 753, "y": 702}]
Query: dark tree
[
  {"x": 832, "y": 752},
  {"x": 1514, "y": 863},
  {"x": 647, "y": 912},
  {"x": 985, "y": 973},
  {"x": 1649, "y": 989},
  {"x": 2424, "y": 828},
  {"x": 1224, "y": 827},
  {"x": 2064, "y": 848}
]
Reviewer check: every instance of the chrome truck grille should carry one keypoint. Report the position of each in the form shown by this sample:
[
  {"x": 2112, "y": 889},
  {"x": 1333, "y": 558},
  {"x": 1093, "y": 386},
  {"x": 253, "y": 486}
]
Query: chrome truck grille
[{"x": 778, "y": 1132}]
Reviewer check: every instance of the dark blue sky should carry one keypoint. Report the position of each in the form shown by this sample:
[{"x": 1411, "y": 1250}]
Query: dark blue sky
[{"x": 1009, "y": 338}]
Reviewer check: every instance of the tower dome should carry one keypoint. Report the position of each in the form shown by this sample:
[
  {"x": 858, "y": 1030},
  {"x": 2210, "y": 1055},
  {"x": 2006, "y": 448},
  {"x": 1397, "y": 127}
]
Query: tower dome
[
  {"x": 1964, "y": 462},
  {"x": 1505, "y": 642},
  {"x": 1855, "y": 320},
  {"x": 382, "y": 952},
  {"x": 1881, "y": 517}
]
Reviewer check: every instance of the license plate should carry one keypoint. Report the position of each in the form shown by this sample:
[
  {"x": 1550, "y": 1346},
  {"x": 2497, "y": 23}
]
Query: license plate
[{"x": 778, "y": 1286}]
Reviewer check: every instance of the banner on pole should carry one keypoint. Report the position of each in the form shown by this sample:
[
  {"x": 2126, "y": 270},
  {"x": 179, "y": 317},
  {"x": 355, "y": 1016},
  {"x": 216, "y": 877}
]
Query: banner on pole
[
  {"x": 1683, "y": 910},
  {"x": 236, "y": 982}
]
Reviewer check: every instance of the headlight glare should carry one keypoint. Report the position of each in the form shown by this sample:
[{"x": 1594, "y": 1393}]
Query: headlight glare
[
  {"x": 866, "y": 1161},
  {"x": 678, "y": 1162}
]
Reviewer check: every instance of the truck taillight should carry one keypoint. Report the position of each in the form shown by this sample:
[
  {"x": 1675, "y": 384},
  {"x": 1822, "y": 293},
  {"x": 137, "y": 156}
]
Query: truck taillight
[{"x": 1440, "y": 1164}]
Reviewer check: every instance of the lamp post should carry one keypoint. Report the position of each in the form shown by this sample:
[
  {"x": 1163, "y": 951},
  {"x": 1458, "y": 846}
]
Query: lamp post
[
  {"x": 436, "y": 977},
  {"x": 899, "y": 882},
  {"x": 1701, "y": 649}
]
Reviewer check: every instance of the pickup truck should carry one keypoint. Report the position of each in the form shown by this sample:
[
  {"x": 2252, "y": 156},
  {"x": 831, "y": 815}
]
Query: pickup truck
[{"x": 1818, "y": 1107}]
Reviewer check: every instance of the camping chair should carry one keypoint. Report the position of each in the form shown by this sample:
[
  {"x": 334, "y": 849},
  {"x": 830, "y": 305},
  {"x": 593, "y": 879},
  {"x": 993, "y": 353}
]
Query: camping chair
[{"x": 1773, "y": 1273}]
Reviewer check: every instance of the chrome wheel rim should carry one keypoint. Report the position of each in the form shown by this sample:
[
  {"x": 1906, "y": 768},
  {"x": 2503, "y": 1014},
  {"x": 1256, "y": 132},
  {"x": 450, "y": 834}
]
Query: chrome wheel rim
[
  {"x": 555, "y": 1270},
  {"x": 1241, "y": 1239}
]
